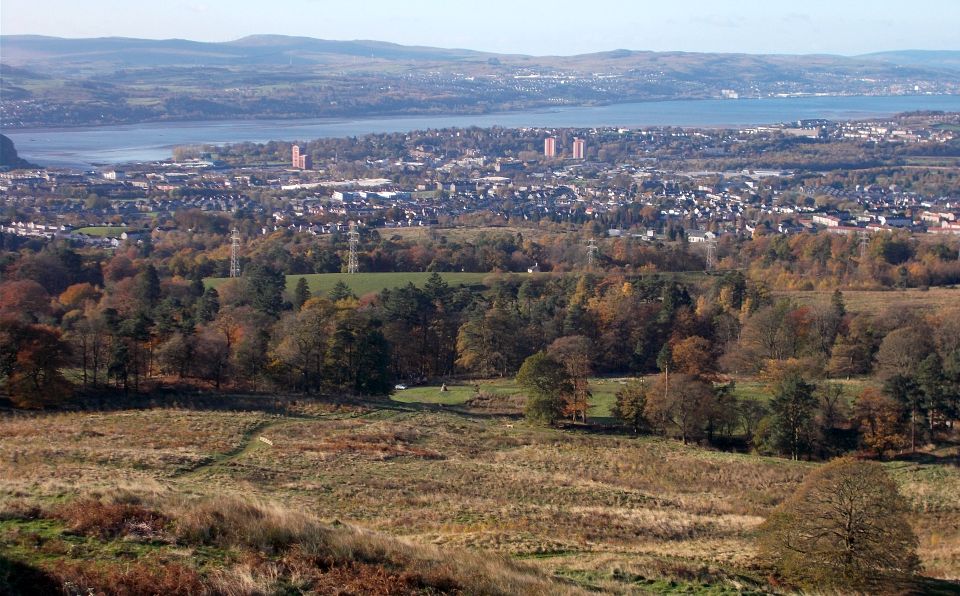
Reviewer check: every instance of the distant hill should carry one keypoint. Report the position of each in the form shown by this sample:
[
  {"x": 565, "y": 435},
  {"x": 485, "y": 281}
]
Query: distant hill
[
  {"x": 945, "y": 59},
  {"x": 51, "y": 81},
  {"x": 42, "y": 53},
  {"x": 257, "y": 50},
  {"x": 8, "y": 155}
]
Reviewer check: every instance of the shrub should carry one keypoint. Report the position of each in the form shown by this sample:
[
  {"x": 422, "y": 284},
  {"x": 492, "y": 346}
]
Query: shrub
[
  {"x": 129, "y": 579},
  {"x": 843, "y": 529},
  {"x": 106, "y": 520},
  {"x": 231, "y": 522}
]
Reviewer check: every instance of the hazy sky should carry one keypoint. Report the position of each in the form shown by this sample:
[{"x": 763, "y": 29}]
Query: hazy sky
[{"x": 518, "y": 26}]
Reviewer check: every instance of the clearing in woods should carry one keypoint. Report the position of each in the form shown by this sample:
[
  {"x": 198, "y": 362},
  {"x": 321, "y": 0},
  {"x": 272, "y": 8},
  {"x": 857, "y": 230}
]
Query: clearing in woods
[
  {"x": 876, "y": 301},
  {"x": 367, "y": 283}
]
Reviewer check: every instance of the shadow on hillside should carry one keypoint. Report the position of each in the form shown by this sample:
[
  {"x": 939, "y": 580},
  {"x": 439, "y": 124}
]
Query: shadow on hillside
[
  {"x": 934, "y": 587},
  {"x": 270, "y": 403},
  {"x": 926, "y": 458},
  {"x": 20, "y": 579}
]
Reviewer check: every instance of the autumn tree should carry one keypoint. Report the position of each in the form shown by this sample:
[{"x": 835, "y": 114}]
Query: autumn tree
[
  {"x": 630, "y": 406},
  {"x": 90, "y": 339},
  {"x": 23, "y": 299},
  {"x": 694, "y": 356},
  {"x": 573, "y": 351},
  {"x": 845, "y": 530},
  {"x": 176, "y": 355},
  {"x": 903, "y": 349},
  {"x": 31, "y": 361},
  {"x": 301, "y": 342},
  {"x": 213, "y": 349},
  {"x": 793, "y": 410},
  {"x": 490, "y": 342},
  {"x": 880, "y": 421},
  {"x": 547, "y": 385},
  {"x": 774, "y": 333},
  {"x": 853, "y": 351},
  {"x": 679, "y": 405},
  {"x": 75, "y": 296}
]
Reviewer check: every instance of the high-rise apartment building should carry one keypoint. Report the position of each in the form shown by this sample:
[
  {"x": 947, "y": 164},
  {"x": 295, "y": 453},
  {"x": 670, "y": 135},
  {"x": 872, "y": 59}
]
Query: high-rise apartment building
[
  {"x": 550, "y": 147},
  {"x": 300, "y": 161},
  {"x": 579, "y": 148}
]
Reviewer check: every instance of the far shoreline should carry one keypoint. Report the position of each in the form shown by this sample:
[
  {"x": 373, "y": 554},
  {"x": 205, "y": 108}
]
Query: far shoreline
[{"x": 83, "y": 147}]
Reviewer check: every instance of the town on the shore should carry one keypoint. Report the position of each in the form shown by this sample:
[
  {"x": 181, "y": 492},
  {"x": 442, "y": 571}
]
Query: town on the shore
[{"x": 648, "y": 184}]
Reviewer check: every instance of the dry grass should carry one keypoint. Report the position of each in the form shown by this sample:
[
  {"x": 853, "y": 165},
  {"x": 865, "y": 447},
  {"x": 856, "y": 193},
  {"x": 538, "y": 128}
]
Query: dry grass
[
  {"x": 610, "y": 512},
  {"x": 875, "y": 302},
  {"x": 109, "y": 520},
  {"x": 50, "y": 454},
  {"x": 264, "y": 549},
  {"x": 133, "y": 579}
]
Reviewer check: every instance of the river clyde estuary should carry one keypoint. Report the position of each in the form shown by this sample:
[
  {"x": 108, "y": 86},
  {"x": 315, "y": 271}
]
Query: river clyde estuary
[{"x": 83, "y": 147}]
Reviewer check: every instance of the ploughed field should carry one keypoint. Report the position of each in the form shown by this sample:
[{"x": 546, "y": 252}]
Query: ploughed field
[{"x": 403, "y": 492}]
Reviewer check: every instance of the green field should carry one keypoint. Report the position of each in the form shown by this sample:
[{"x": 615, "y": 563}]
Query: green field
[
  {"x": 758, "y": 390},
  {"x": 604, "y": 391},
  {"x": 104, "y": 231},
  {"x": 366, "y": 283}
]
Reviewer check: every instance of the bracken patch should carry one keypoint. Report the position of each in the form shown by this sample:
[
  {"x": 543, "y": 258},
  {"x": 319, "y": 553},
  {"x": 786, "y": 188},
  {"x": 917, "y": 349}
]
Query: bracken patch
[{"x": 109, "y": 520}]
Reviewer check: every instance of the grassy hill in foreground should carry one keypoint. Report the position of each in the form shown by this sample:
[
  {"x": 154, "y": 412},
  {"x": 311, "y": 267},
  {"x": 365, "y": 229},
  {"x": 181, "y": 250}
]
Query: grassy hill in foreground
[{"x": 561, "y": 510}]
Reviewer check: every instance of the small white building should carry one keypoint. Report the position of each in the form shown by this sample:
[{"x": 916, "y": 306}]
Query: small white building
[{"x": 697, "y": 236}]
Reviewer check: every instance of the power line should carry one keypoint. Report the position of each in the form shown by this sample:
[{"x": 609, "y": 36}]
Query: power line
[
  {"x": 235, "y": 253},
  {"x": 592, "y": 251},
  {"x": 711, "y": 255},
  {"x": 354, "y": 235}
]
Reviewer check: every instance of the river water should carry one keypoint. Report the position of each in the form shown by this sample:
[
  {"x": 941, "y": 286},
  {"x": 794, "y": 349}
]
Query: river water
[{"x": 82, "y": 147}]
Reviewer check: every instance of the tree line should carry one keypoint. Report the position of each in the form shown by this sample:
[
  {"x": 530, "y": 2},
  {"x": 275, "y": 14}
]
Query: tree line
[{"x": 70, "y": 322}]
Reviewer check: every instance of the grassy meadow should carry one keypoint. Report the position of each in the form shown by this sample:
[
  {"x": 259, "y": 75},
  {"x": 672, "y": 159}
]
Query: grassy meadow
[
  {"x": 104, "y": 231},
  {"x": 370, "y": 283},
  {"x": 603, "y": 392},
  {"x": 367, "y": 283},
  {"x": 876, "y": 301},
  {"x": 422, "y": 483}
]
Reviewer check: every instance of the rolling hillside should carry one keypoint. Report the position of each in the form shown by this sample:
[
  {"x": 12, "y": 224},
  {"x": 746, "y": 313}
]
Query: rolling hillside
[
  {"x": 49, "y": 81},
  {"x": 418, "y": 498}
]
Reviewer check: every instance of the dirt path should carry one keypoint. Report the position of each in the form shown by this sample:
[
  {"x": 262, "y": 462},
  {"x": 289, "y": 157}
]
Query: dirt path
[
  {"x": 269, "y": 429},
  {"x": 249, "y": 442}
]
